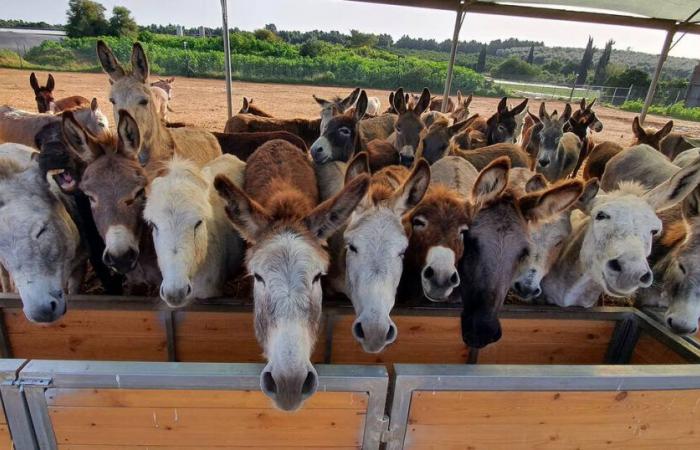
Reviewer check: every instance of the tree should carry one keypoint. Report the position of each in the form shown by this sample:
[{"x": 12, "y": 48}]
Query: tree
[
  {"x": 272, "y": 27},
  {"x": 531, "y": 56},
  {"x": 266, "y": 35},
  {"x": 481, "y": 62},
  {"x": 86, "y": 18},
  {"x": 358, "y": 39},
  {"x": 630, "y": 77},
  {"x": 601, "y": 71},
  {"x": 586, "y": 62},
  {"x": 122, "y": 24},
  {"x": 515, "y": 68}
]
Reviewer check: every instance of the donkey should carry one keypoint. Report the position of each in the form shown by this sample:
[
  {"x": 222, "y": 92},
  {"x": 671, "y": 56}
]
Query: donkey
[
  {"x": 242, "y": 145},
  {"x": 197, "y": 249},
  {"x": 331, "y": 108},
  {"x": 436, "y": 142},
  {"x": 558, "y": 152},
  {"x": 686, "y": 157},
  {"x": 501, "y": 126},
  {"x": 496, "y": 241},
  {"x": 581, "y": 121},
  {"x": 341, "y": 138},
  {"x": 45, "y": 102},
  {"x": 23, "y": 127},
  {"x": 547, "y": 239},
  {"x": 370, "y": 262},
  {"x": 461, "y": 110},
  {"x": 608, "y": 249},
  {"x": 130, "y": 92},
  {"x": 166, "y": 85},
  {"x": 408, "y": 127},
  {"x": 307, "y": 129},
  {"x": 161, "y": 102},
  {"x": 249, "y": 108},
  {"x": 277, "y": 214},
  {"x": 650, "y": 136},
  {"x": 482, "y": 157},
  {"x": 40, "y": 244},
  {"x": 115, "y": 184}
]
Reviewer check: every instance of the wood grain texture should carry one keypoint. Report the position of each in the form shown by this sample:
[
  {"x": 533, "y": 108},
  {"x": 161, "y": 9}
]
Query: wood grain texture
[
  {"x": 554, "y": 420},
  {"x": 5, "y": 439},
  {"x": 89, "y": 334},
  {"x": 222, "y": 337},
  {"x": 201, "y": 419},
  {"x": 650, "y": 351}
]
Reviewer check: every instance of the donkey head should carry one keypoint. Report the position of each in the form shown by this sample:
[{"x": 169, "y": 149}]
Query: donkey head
[
  {"x": 341, "y": 138},
  {"x": 461, "y": 111},
  {"x": 286, "y": 259},
  {"x": 497, "y": 241},
  {"x": 331, "y": 108},
  {"x": 585, "y": 117},
  {"x": 43, "y": 94},
  {"x": 409, "y": 126},
  {"x": 436, "y": 142},
  {"x": 501, "y": 126},
  {"x": 650, "y": 136},
  {"x": 549, "y": 153}
]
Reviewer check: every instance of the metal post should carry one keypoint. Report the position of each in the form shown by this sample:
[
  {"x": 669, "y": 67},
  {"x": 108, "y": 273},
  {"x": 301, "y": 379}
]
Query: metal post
[
  {"x": 459, "y": 20},
  {"x": 657, "y": 74},
  {"x": 227, "y": 55}
]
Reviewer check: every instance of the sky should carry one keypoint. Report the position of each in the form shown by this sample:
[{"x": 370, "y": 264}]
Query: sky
[{"x": 344, "y": 15}]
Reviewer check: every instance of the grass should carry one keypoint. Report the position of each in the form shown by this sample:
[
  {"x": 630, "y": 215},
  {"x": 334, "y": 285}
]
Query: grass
[{"x": 677, "y": 110}]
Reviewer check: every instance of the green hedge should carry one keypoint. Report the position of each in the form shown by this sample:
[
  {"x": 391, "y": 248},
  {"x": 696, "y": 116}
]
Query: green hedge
[{"x": 677, "y": 110}]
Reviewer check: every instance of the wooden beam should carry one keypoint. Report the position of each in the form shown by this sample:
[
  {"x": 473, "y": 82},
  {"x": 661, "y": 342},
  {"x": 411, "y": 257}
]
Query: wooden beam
[
  {"x": 461, "y": 11},
  {"x": 657, "y": 74}
]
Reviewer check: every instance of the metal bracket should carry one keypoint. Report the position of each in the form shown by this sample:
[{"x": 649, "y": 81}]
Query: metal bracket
[
  {"x": 34, "y": 382},
  {"x": 387, "y": 434}
]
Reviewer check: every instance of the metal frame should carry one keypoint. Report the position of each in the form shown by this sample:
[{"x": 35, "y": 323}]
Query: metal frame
[
  {"x": 421, "y": 377},
  {"x": 39, "y": 375},
  {"x": 14, "y": 406},
  {"x": 657, "y": 314},
  {"x": 227, "y": 56}
]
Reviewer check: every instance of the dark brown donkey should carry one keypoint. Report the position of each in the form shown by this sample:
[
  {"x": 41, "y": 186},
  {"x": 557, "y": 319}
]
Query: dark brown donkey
[
  {"x": 581, "y": 121},
  {"x": 115, "y": 184},
  {"x": 307, "y": 129},
  {"x": 44, "y": 97},
  {"x": 249, "y": 108},
  {"x": 277, "y": 214},
  {"x": 497, "y": 239},
  {"x": 500, "y": 127}
]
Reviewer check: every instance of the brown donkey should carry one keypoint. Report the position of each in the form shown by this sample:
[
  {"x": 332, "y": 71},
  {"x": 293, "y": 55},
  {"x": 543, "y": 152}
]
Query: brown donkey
[
  {"x": 496, "y": 241},
  {"x": 131, "y": 92},
  {"x": 44, "y": 97},
  {"x": 277, "y": 214},
  {"x": 115, "y": 184},
  {"x": 249, "y": 108}
]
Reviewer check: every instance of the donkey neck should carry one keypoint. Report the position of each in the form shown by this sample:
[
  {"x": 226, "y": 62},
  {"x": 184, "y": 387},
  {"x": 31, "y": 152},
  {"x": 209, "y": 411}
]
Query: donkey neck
[{"x": 158, "y": 143}]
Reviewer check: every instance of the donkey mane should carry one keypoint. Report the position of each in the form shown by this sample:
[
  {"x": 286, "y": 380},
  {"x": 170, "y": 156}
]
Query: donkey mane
[
  {"x": 631, "y": 187},
  {"x": 9, "y": 168},
  {"x": 287, "y": 203}
]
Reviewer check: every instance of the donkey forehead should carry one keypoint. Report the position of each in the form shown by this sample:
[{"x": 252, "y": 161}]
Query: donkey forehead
[
  {"x": 184, "y": 201},
  {"x": 129, "y": 88},
  {"x": 625, "y": 210},
  {"x": 112, "y": 173},
  {"x": 288, "y": 255},
  {"x": 379, "y": 226}
]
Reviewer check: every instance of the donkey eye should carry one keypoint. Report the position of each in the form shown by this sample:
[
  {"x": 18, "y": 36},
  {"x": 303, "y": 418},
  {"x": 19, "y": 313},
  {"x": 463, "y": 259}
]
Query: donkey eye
[
  {"x": 111, "y": 100},
  {"x": 258, "y": 278},
  {"x": 317, "y": 278},
  {"x": 398, "y": 129},
  {"x": 344, "y": 131},
  {"x": 43, "y": 229},
  {"x": 524, "y": 253},
  {"x": 682, "y": 268},
  {"x": 419, "y": 222},
  {"x": 601, "y": 216},
  {"x": 143, "y": 102},
  {"x": 654, "y": 232},
  {"x": 196, "y": 225},
  {"x": 352, "y": 248},
  {"x": 155, "y": 227}
]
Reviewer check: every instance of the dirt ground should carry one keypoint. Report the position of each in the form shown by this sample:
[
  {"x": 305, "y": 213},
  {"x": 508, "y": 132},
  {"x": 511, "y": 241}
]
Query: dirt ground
[{"x": 202, "y": 101}]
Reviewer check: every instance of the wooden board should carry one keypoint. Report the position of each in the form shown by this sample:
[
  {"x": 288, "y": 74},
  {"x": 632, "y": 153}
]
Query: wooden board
[
  {"x": 554, "y": 420},
  {"x": 222, "y": 337},
  {"x": 89, "y": 334},
  {"x": 651, "y": 351},
  {"x": 438, "y": 340},
  {"x": 200, "y": 419},
  {"x": 5, "y": 439}
]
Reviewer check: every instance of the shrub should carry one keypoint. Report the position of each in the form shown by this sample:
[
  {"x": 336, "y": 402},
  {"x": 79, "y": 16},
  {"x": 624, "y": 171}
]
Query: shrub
[
  {"x": 516, "y": 69},
  {"x": 677, "y": 110}
]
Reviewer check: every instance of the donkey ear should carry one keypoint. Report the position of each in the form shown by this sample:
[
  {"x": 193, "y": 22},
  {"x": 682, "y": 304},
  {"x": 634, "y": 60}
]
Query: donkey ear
[
  {"x": 536, "y": 183},
  {"x": 675, "y": 189},
  {"x": 492, "y": 180},
  {"x": 637, "y": 129},
  {"x": 590, "y": 190},
  {"x": 358, "y": 165},
  {"x": 540, "y": 206},
  {"x": 691, "y": 205},
  {"x": 350, "y": 99},
  {"x": 459, "y": 126},
  {"x": 170, "y": 80},
  {"x": 361, "y": 107},
  {"x": 459, "y": 97},
  {"x": 534, "y": 118},
  {"x": 566, "y": 115},
  {"x": 662, "y": 133},
  {"x": 543, "y": 112},
  {"x": 139, "y": 63},
  {"x": 502, "y": 105},
  {"x": 423, "y": 102},
  {"x": 520, "y": 108},
  {"x": 468, "y": 101},
  {"x": 322, "y": 102},
  {"x": 413, "y": 189},
  {"x": 391, "y": 100},
  {"x": 50, "y": 83},
  {"x": 330, "y": 215},
  {"x": 76, "y": 137},
  {"x": 582, "y": 103},
  {"x": 246, "y": 104},
  {"x": 400, "y": 101},
  {"x": 130, "y": 138},
  {"x": 247, "y": 217},
  {"x": 93, "y": 104},
  {"x": 33, "y": 82},
  {"x": 590, "y": 105},
  {"x": 109, "y": 62}
]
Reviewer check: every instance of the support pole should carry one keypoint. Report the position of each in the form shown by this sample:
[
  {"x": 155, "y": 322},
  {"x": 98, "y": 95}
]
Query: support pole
[
  {"x": 459, "y": 20},
  {"x": 657, "y": 74},
  {"x": 227, "y": 55}
]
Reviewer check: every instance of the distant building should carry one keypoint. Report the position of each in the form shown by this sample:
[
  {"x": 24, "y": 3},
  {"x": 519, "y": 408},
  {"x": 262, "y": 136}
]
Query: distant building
[
  {"x": 180, "y": 31},
  {"x": 692, "y": 99},
  {"x": 202, "y": 32}
]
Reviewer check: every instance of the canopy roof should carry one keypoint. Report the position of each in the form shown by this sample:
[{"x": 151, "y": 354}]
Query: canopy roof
[{"x": 658, "y": 14}]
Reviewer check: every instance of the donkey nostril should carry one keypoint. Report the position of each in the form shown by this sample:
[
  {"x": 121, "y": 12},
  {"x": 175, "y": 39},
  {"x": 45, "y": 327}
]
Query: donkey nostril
[
  {"x": 454, "y": 279},
  {"x": 359, "y": 332},
  {"x": 428, "y": 272},
  {"x": 615, "y": 265},
  {"x": 538, "y": 291},
  {"x": 543, "y": 162},
  {"x": 646, "y": 277},
  {"x": 107, "y": 259},
  {"x": 391, "y": 334},
  {"x": 268, "y": 383},
  {"x": 518, "y": 287},
  {"x": 189, "y": 289},
  {"x": 669, "y": 321},
  {"x": 53, "y": 305},
  {"x": 309, "y": 385}
]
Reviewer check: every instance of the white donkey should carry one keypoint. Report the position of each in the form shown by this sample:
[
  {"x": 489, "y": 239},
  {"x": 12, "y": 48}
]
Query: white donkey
[
  {"x": 197, "y": 248},
  {"x": 608, "y": 249}
]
